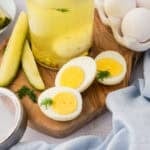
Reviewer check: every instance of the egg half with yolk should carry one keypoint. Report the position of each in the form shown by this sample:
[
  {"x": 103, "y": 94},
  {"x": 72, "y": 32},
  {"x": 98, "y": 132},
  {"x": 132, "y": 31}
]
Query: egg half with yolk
[
  {"x": 78, "y": 73},
  {"x": 111, "y": 67},
  {"x": 65, "y": 105}
]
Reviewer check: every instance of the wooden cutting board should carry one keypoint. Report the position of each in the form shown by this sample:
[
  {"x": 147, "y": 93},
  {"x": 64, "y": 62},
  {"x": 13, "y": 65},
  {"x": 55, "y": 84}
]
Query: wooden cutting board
[{"x": 93, "y": 98}]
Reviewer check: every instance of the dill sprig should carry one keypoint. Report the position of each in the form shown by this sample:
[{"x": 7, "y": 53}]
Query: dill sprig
[
  {"x": 63, "y": 10},
  {"x": 25, "y": 91},
  {"x": 101, "y": 75},
  {"x": 47, "y": 102}
]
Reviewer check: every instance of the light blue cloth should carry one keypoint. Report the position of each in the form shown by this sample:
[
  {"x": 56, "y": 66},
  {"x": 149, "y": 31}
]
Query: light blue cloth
[{"x": 131, "y": 121}]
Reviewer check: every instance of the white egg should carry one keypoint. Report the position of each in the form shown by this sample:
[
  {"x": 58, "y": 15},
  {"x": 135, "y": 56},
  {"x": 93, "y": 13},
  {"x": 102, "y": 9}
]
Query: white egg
[
  {"x": 117, "y": 57},
  {"x": 136, "y": 24},
  {"x": 50, "y": 112},
  {"x": 78, "y": 73},
  {"x": 118, "y": 8},
  {"x": 143, "y": 3}
]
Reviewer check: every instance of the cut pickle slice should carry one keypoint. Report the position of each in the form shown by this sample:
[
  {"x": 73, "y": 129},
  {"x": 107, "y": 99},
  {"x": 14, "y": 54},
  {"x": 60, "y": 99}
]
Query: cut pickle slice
[
  {"x": 12, "y": 56},
  {"x": 30, "y": 68}
]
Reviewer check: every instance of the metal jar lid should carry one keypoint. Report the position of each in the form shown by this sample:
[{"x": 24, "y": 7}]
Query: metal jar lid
[{"x": 13, "y": 119}]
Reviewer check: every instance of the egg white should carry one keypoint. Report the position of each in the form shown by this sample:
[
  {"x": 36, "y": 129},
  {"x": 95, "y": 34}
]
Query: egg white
[
  {"x": 118, "y": 57},
  {"x": 87, "y": 64},
  {"x": 49, "y": 112}
]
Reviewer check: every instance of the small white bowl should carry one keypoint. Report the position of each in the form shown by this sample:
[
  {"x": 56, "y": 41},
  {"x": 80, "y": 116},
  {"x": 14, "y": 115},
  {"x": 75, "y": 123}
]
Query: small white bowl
[
  {"x": 13, "y": 119},
  {"x": 10, "y": 8}
]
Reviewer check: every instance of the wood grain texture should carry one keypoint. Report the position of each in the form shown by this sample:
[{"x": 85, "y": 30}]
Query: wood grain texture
[{"x": 93, "y": 98}]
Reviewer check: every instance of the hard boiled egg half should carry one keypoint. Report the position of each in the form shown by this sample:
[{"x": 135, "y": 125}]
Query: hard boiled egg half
[
  {"x": 78, "y": 73},
  {"x": 111, "y": 67},
  {"x": 60, "y": 103}
]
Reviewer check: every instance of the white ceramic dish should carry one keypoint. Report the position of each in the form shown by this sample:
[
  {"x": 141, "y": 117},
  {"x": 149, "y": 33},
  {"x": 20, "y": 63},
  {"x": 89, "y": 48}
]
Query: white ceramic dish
[
  {"x": 13, "y": 119},
  {"x": 10, "y": 8}
]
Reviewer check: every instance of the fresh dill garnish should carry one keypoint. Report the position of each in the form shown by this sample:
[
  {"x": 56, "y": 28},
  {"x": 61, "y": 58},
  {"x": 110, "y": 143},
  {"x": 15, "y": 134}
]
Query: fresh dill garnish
[
  {"x": 101, "y": 75},
  {"x": 62, "y": 9},
  {"x": 47, "y": 102},
  {"x": 25, "y": 91},
  {"x": 5, "y": 19},
  {"x": 4, "y": 22}
]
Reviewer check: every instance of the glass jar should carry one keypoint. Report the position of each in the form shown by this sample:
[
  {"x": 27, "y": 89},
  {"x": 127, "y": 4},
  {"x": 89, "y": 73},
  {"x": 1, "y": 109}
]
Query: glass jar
[{"x": 60, "y": 29}]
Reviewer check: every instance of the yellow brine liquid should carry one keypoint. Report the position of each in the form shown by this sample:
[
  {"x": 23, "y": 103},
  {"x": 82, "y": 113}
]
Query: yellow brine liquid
[{"x": 60, "y": 29}]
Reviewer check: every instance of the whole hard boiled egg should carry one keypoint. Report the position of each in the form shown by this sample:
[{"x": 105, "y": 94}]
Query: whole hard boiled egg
[
  {"x": 78, "y": 73},
  {"x": 118, "y": 8},
  {"x": 111, "y": 67},
  {"x": 60, "y": 103},
  {"x": 136, "y": 24}
]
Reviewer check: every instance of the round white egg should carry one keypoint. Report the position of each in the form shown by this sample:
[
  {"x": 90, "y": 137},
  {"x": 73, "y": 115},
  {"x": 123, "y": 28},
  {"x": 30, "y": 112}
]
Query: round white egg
[
  {"x": 118, "y": 57},
  {"x": 87, "y": 64},
  {"x": 136, "y": 24},
  {"x": 143, "y": 3},
  {"x": 118, "y": 8},
  {"x": 49, "y": 112}
]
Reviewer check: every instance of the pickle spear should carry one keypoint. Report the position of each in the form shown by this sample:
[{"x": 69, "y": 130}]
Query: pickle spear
[
  {"x": 30, "y": 68},
  {"x": 13, "y": 52}
]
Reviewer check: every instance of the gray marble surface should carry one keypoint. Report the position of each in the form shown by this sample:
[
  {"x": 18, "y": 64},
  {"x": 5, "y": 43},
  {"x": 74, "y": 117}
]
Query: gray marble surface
[{"x": 101, "y": 126}]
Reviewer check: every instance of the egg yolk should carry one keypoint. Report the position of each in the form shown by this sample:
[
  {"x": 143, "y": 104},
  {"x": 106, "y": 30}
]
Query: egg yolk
[
  {"x": 72, "y": 77},
  {"x": 64, "y": 103},
  {"x": 109, "y": 64}
]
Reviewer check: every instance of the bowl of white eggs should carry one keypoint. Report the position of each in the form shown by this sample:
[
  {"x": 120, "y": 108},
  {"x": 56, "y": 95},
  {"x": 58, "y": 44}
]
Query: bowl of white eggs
[{"x": 129, "y": 21}]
